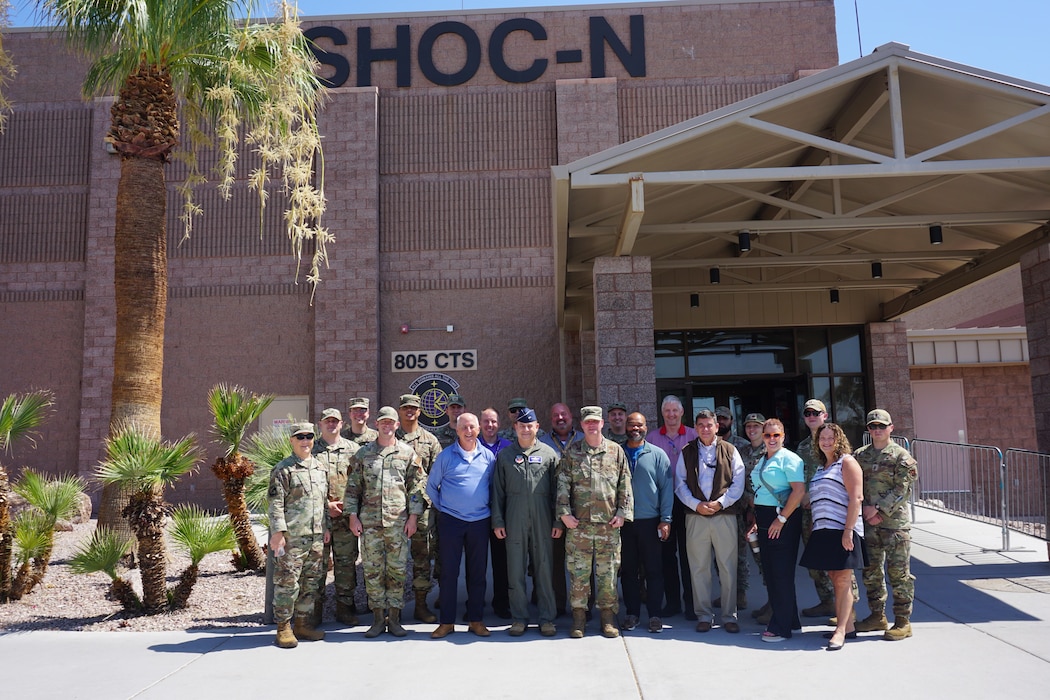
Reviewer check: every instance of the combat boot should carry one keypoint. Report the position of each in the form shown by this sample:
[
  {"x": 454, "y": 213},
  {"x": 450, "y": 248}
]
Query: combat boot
[
  {"x": 304, "y": 629},
  {"x": 609, "y": 630},
  {"x": 394, "y": 623},
  {"x": 873, "y": 623},
  {"x": 579, "y": 621},
  {"x": 901, "y": 630},
  {"x": 285, "y": 637},
  {"x": 824, "y": 608},
  {"x": 378, "y": 623},
  {"x": 422, "y": 612},
  {"x": 347, "y": 614}
]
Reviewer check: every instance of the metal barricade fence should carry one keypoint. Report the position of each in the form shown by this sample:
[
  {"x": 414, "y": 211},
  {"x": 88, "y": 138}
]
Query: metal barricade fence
[
  {"x": 965, "y": 480},
  {"x": 1026, "y": 491}
]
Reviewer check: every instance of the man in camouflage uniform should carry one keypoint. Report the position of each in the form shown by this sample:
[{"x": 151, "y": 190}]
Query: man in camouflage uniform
[
  {"x": 454, "y": 408},
  {"x": 513, "y": 406},
  {"x": 425, "y": 540},
  {"x": 889, "y": 473},
  {"x": 335, "y": 452},
  {"x": 724, "y": 418},
  {"x": 524, "y": 486},
  {"x": 594, "y": 501},
  {"x": 616, "y": 428},
  {"x": 383, "y": 500},
  {"x": 754, "y": 451},
  {"x": 357, "y": 430},
  {"x": 298, "y": 531}
]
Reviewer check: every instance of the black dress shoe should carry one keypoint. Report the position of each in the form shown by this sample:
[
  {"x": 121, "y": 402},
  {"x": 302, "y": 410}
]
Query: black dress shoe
[
  {"x": 833, "y": 647},
  {"x": 849, "y": 635}
]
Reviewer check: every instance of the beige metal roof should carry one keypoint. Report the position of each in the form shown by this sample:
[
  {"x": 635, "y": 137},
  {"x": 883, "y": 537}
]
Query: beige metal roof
[{"x": 828, "y": 174}]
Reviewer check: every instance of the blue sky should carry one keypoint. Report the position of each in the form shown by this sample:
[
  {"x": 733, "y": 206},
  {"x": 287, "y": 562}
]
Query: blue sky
[{"x": 1008, "y": 36}]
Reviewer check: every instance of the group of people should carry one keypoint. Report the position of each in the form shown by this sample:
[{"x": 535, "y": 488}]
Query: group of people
[{"x": 660, "y": 509}]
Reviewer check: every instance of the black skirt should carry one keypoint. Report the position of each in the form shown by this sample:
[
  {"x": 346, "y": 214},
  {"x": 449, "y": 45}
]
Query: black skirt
[{"x": 825, "y": 553}]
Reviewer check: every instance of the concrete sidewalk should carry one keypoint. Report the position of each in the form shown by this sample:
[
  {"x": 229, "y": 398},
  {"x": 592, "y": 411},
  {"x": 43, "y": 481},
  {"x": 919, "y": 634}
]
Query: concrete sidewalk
[{"x": 981, "y": 621}]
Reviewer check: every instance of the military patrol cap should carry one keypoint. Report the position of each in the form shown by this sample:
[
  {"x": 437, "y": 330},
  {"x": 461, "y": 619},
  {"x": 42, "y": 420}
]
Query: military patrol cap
[
  {"x": 303, "y": 428},
  {"x": 387, "y": 413},
  {"x": 409, "y": 400},
  {"x": 359, "y": 402},
  {"x": 456, "y": 400},
  {"x": 879, "y": 416},
  {"x": 331, "y": 413},
  {"x": 590, "y": 413},
  {"x": 516, "y": 404},
  {"x": 618, "y": 405},
  {"x": 723, "y": 412},
  {"x": 816, "y": 405},
  {"x": 754, "y": 418},
  {"x": 526, "y": 415}
]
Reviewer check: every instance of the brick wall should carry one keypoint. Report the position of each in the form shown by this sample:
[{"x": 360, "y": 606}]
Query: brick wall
[
  {"x": 891, "y": 383},
  {"x": 1035, "y": 281}
]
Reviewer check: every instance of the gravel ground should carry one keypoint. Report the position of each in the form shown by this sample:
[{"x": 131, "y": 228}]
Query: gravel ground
[{"x": 222, "y": 597}]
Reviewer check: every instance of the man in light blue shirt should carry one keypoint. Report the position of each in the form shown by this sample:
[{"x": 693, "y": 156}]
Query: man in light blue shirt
[{"x": 458, "y": 487}]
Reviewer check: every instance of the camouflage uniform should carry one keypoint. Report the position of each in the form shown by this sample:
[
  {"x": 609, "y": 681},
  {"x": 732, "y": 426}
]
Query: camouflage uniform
[
  {"x": 297, "y": 494},
  {"x": 343, "y": 544},
  {"x": 446, "y": 435},
  {"x": 425, "y": 541},
  {"x": 750, "y": 455},
  {"x": 385, "y": 485},
  {"x": 821, "y": 580},
  {"x": 594, "y": 485},
  {"x": 888, "y": 477},
  {"x": 364, "y": 438}
]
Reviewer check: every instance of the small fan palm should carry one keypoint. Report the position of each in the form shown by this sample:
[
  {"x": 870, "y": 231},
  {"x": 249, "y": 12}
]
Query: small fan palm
[
  {"x": 265, "y": 448},
  {"x": 200, "y": 535},
  {"x": 102, "y": 554},
  {"x": 20, "y": 416},
  {"x": 234, "y": 410},
  {"x": 33, "y": 541},
  {"x": 143, "y": 465},
  {"x": 51, "y": 500}
]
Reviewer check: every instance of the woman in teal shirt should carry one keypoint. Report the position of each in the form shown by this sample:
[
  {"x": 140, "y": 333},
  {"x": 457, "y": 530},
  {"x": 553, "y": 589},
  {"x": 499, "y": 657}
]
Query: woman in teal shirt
[{"x": 779, "y": 488}]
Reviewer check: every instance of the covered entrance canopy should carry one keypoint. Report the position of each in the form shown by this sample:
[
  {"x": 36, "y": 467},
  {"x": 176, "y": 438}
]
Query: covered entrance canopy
[{"x": 893, "y": 179}]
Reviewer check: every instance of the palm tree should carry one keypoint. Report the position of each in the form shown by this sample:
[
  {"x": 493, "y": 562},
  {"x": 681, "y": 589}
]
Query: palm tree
[
  {"x": 142, "y": 465},
  {"x": 20, "y": 416},
  {"x": 50, "y": 500},
  {"x": 265, "y": 448},
  {"x": 234, "y": 79},
  {"x": 102, "y": 553},
  {"x": 200, "y": 535},
  {"x": 234, "y": 410}
]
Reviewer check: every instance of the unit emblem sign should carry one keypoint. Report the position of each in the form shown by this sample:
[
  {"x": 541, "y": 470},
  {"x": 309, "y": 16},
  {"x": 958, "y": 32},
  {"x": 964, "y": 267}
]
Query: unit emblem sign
[{"x": 433, "y": 390}]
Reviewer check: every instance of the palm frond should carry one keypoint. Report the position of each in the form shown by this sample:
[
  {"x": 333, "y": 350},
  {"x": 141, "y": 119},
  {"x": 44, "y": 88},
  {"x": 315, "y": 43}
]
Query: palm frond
[
  {"x": 138, "y": 461},
  {"x": 33, "y": 536},
  {"x": 20, "y": 415},
  {"x": 56, "y": 498},
  {"x": 234, "y": 410},
  {"x": 101, "y": 553},
  {"x": 266, "y": 448},
  {"x": 199, "y": 533}
]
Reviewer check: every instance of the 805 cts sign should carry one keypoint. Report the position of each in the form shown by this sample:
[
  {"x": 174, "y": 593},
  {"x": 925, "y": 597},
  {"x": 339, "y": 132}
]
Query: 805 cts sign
[{"x": 440, "y": 360}]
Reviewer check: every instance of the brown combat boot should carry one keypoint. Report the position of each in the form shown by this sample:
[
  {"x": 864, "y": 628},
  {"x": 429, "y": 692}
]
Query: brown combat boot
[
  {"x": 393, "y": 623},
  {"x": 901, "y": 630},
  {"x": 378, "y": 623},
  {"x": 579, "y": 621},
  {"x": 825, "y": 608},
  {"x": 874, "y": 622},
  {"x": 304, "y": 629},
  {"x": 285, "y": 637},
  {"x": 609, "y": 630},
  {"x": 347, "y": 614},
  {"x": 422, "y": 612}
]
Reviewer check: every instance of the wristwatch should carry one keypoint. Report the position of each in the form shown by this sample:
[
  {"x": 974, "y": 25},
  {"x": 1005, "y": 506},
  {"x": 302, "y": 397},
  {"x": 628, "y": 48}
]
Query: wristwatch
[{"x": 782, "y": 519}]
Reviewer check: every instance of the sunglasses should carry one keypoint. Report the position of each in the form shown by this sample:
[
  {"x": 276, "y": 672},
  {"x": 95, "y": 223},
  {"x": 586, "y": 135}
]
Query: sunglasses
[
  {"x": 810, "y": 413},
  {"x": 304, "y": 436},
  {"x": 772, "y": 436},
  {"x": 877, "y": 426}
]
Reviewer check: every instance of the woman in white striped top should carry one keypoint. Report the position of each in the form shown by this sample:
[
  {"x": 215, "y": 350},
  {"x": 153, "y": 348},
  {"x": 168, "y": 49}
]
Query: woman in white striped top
[{"x": 837, "y": 543}]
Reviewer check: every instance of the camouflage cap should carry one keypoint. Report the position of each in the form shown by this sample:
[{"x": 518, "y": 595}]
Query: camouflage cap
[
  {"x": 302, "y": 428},
  {"x": 815, "y": 404},
  {"x": 387, "y": 413},
  {"x": 723, "y": 412},
  {"x": 590, "y": 413},
  {"x": 409, "y": 400},
  {"x": 618, "y": 406},
  {"x": 359, "y": 402},
  {"x": 331, "y": 413},
  {"x": 754, "y": 418},
  {"x": 517, "y": 403},
  {"x": 879, "y": 416},
  {"x": 456, "y": 400}
]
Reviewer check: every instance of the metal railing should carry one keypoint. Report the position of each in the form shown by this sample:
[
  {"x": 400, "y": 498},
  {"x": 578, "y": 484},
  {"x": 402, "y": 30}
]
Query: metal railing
[{"x": 1025, "y": 484}]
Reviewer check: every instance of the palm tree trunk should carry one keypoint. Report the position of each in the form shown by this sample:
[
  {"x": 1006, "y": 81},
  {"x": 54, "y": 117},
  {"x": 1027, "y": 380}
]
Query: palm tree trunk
[
  {"x": 123, "y": 593},
  {"x": 153, "y": 568},
  {"x": 251, "y": 554},
  {"x": 180, "y": 595},
  {"x": 6, "y": 537}
]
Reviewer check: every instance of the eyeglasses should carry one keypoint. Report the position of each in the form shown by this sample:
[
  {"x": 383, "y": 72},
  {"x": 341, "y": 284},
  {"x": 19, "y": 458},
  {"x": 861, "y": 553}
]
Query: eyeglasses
[
  {"x": 772, "y": 436},
  {"x": 304, "y": 436},
  {"x": 809, "y": 413},
  {"x": 877, "y": 426}
]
